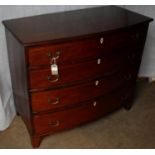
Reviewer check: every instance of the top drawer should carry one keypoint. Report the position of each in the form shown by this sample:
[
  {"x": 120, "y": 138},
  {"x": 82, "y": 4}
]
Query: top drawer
[
  {"x": 68, "y": 51},
  {"x": 73, "y": 51}
]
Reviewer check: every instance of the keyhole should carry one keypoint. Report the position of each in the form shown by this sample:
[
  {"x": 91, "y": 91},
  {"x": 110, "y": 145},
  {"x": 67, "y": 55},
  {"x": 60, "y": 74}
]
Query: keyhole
[
  {"x": 98, "y": 61},
  {"x": 101, "y": 40},
  {"x": 94, "y": 104},
  {"x": 96, "y": 83}
]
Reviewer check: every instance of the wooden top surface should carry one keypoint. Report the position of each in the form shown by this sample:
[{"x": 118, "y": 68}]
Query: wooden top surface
[{"x": 72, "y": 24}]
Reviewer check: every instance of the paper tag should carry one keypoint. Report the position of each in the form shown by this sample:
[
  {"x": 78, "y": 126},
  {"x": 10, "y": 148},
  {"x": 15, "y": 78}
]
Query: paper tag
[{"x": 54, "y": 69}]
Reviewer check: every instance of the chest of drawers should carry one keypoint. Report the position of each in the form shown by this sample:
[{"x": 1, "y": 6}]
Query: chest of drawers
[{"x": 71, "y": 68}]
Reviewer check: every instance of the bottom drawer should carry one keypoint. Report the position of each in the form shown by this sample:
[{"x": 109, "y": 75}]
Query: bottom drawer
[{"x": 85, "y": 112}]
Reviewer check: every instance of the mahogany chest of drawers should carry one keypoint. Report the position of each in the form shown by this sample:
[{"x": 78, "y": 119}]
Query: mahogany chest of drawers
[{"x": 71, "y": 68}]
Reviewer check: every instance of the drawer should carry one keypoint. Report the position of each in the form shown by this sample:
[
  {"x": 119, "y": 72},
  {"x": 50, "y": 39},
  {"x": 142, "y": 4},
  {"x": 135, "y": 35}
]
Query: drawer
[
  {"x": 49, "y": 100},
  {"x": 85, "y": 112},
  {"x": 68, "y": 51},
  {"x": 82, "y": 71}
]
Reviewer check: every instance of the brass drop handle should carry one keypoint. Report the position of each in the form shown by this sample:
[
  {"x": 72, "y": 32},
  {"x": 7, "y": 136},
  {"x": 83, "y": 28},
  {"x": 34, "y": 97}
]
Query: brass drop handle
[
  {"x": 135, "y": 36},
  {"x": 54, "y": 123},
  {"x": 56, "y": 55},
  {"x": 49, "y": 78},
  {"x": 55, "y": 102},
  {"x": 51, "y": 54}
]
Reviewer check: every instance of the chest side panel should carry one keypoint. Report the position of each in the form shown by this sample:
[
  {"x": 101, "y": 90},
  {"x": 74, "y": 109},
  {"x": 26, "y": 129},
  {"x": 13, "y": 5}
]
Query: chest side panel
[{"x": 17, "y": 64}]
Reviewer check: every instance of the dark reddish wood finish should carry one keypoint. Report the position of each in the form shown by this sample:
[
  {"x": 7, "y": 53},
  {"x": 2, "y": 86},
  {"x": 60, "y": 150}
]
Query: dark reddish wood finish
[
  {"x": 35, "y": 141},
  {"x": 85, "y": 48},
  {"x": 76, "y": 34},
  {"x": 40, "y": 101},
  {"x": 69, "y": 25},
  {"x": 91, "y": 47},
  {"x": 88, "y": 69},
  {"x": 70, "y": 118},
  {"x": 17, "y": 63},
  {"x": 70, "y": 74}
]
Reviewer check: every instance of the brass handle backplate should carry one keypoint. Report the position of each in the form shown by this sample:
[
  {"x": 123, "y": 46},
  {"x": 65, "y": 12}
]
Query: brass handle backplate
[
  {"x": 49, "y": 54},
  {"x": 49, "y": 78},
  {"x": 57, "y": 54},
  {"x": 135, "y": 36},
  {"x": 54, "y": 123},
  {"x": 53, "y": 55}
]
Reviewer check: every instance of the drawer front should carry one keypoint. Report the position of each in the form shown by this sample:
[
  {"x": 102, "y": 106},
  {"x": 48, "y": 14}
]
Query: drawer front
[
  {"x": 78, "y": 115},
  {"x": 85, "y": 48},
  {"x": 77, "y": 72},
  {"x": 132, "y": 37},
  {"x": 67, "y": 52},
  {"x": 49, "y": 100}
]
